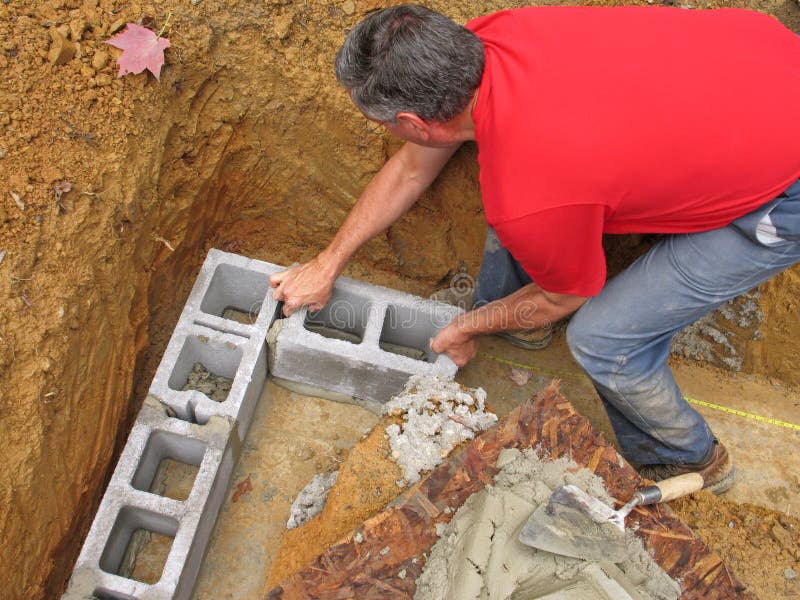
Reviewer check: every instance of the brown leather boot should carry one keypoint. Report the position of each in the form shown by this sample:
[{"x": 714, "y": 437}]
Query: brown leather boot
[
  {"x": 718, "y": 472},
  {"x": 529, "y": 339}
]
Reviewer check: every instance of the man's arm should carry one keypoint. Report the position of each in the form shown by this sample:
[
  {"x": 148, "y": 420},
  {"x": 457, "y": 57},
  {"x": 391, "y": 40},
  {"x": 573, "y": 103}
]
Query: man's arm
[
  {"x": 393, "y": 190},
  {"x": 529, "y": 307}
]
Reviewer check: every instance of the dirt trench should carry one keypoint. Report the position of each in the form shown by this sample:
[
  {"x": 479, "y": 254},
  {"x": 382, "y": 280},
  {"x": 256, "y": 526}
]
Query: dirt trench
[{"x": 245, "y": 144}]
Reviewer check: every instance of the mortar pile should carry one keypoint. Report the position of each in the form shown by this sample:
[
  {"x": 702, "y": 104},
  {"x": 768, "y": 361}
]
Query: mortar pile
[{"x": 437, "y": 416}]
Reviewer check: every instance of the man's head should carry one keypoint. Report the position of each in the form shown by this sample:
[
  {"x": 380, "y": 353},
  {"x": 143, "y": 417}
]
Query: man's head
[{"x": 410, "y": 59}]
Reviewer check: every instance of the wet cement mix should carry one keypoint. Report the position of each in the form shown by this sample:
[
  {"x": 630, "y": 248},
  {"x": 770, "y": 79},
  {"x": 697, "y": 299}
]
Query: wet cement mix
[{"x": 479, "y": 556}]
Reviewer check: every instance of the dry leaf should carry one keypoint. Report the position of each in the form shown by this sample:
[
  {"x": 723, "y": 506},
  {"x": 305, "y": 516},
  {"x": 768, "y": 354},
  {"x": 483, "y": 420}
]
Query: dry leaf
[
  {"x": 243, "y": 487},
  {"x": 141, "y": 49},
  {"x": 61, "y": 188},
  {"x": 519, "y": 376}
]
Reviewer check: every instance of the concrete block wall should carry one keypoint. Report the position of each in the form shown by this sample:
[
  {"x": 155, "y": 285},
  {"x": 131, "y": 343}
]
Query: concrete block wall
[
  {"x": 128, "y": 505},
  {"x": 188, "y": 427},
  {"x": 378, "y": 323},
  {"x": 191, "y": 428},
  {"x": 223, "y": 346}
]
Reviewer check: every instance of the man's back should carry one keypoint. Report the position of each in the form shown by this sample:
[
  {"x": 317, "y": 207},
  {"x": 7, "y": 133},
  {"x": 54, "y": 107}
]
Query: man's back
[{"x": 673, "y": 120}]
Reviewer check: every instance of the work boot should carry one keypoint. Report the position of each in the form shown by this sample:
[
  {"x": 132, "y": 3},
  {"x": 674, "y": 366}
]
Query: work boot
[
  {"x": 529, "y": 339},
  {"x": 718, "y": 472}
]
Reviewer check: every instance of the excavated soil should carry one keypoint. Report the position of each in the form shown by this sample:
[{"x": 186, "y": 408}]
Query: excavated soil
[{"x": 247, "y": 144}]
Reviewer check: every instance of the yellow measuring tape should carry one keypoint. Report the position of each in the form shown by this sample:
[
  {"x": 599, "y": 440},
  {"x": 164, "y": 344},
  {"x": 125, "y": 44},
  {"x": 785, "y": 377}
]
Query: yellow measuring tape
[{"x": 725, "y": 409}]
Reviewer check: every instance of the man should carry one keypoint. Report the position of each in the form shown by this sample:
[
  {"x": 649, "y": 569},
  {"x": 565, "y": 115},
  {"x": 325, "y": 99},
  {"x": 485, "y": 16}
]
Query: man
[{"x": 591, "y": 121}]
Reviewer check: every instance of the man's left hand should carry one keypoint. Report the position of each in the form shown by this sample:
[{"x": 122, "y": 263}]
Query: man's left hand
[{"x": 459, "y": 346}]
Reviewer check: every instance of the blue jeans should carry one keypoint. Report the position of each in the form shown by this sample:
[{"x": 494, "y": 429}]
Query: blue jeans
[
  {"x": 500, "y": 273},
  {"x": 622, "y": 336}
]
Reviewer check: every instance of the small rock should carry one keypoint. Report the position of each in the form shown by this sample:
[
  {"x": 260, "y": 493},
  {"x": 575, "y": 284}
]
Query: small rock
[
  {"x": 61, "y": 49},
  {"x": 116, "y": 26},
  {"x": 103, "y": 80},
  {"x": 88, "y": 71},
  {"x": 282, "y": 26},
  {"x": 2, "y": 153},
  {"x": 790, "y": 573},
  {"x": 349, "y": 7},
  {"x": 76, "y": 29},
  {"x": 63, "y": 30},
  {"x": 73, "y": 323},
  {"x": 45, "y": 365},
  {"x": 385, "y": 551},
  {"x": 50, "y": 174},
  {"x": 402, "y": 574},
  {"x": 100, "y": 60}
]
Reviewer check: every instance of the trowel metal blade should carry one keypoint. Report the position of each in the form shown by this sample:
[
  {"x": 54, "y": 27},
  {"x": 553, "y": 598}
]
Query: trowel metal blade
[{"x": 569, "y": 531}]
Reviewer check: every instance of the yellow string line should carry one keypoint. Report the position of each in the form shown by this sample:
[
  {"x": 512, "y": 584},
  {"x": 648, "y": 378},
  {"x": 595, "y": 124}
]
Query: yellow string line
[{"x": 725, "y": 409}]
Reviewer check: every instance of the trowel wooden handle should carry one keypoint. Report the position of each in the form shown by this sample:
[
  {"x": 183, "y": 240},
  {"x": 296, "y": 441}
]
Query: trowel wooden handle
[{"x": 674, "y": 487}]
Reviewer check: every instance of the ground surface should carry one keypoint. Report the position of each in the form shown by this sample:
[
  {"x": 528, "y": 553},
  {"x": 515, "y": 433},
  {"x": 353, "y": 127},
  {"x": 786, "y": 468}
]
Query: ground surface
[
  {"x": 293, "y": 437},
  {"x": 246, "y": 144}
]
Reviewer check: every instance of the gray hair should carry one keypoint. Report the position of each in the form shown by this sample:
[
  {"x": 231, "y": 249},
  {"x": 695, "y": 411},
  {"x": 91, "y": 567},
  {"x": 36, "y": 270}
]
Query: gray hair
[{"x": 408, "y": 58}]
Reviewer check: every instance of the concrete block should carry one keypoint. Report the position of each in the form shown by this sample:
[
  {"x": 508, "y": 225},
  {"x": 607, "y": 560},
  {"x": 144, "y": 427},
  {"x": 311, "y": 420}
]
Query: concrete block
[
  {"x": 230, "y": 281},
  {"x": 241, "y": 359},
  {"x": 224, "y": 346},
  {"x": 129, "y": 506},
  {"x": 366, "y": 342}
]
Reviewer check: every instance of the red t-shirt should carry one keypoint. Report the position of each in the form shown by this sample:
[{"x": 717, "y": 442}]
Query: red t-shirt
[{"x": 629, "y": 119}]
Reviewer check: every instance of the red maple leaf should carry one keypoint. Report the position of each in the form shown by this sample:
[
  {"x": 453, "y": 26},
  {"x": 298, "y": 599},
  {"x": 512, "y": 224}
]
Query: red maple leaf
[{"x": 141, "y": 49}]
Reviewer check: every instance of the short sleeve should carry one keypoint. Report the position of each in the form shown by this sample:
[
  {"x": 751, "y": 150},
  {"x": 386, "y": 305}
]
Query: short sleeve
[{"x": 560, "y": 248}]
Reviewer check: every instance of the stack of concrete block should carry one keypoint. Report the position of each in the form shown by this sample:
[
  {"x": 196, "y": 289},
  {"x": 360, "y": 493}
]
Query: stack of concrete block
[
  {"x": 188, "y": 427},
  {"x": 385, "y": 337},
  {"x": 128, "y": 506},
  {"x": 388, "y": 335}
]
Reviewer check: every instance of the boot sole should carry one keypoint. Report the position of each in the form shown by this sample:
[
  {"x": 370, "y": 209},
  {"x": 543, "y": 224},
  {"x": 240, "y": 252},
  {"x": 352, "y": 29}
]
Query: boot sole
[
  {"x": 724, "y": 484},
  {"x": 525, "y": 345}
]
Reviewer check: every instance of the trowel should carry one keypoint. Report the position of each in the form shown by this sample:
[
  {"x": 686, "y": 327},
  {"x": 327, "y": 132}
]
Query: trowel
[{"x": 574, "y": 523}]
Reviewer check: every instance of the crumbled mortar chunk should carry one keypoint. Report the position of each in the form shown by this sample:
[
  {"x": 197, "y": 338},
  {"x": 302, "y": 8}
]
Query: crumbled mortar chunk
[
  {"x": 311, "y": 500},
  {"x": 437, "y": 415},
  {"x": 215, "y": 387}
]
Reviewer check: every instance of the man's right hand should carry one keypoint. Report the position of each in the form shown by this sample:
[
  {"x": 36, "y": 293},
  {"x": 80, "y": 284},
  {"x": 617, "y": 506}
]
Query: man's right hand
[{"x": 309, "y": 284}]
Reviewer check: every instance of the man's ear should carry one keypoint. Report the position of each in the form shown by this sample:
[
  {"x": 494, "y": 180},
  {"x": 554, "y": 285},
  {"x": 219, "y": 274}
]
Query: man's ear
[{"x": 420, "y": 127}]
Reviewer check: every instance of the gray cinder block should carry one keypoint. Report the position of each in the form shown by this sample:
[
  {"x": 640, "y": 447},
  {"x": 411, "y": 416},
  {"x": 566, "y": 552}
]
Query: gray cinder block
[
  {"x": 129, "y": 506},
  {"x": 365, "y": 342},
  {"x": 224, "y": 346}
]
